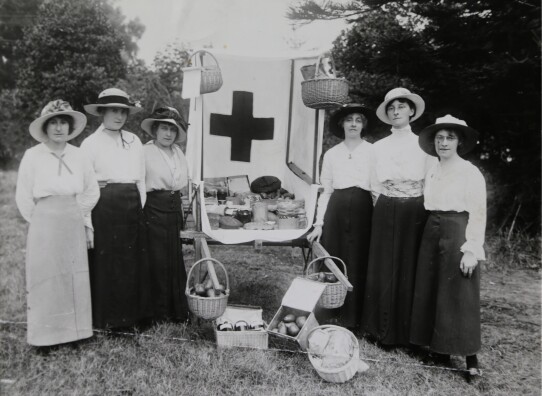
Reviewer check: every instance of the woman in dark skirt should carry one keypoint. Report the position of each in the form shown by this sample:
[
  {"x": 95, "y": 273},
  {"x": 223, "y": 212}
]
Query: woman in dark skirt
[
  {"x": 344, "y": 212},
  {"x": 446, "y": 308},
  {"x": 119, "y": 269},
  {"x": 166, "y": 177},
  {"x": 399, "y": 167}
]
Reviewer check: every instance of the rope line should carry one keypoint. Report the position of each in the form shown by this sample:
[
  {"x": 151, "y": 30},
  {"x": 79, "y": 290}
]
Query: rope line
[{"x": 148, "y": 336}]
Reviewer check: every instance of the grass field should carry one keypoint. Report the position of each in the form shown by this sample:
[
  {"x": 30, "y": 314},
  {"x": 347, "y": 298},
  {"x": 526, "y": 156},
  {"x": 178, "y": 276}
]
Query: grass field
[{"x": 178, "y": 359}]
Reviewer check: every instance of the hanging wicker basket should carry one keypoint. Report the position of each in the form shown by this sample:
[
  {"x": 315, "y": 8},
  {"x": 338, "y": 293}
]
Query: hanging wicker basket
[
  {"x": 207, "y": 307},
  {"x": 334, "y": 293},
  {"x": 323, "y": 92},
  {"x": 211, "y": 76}
]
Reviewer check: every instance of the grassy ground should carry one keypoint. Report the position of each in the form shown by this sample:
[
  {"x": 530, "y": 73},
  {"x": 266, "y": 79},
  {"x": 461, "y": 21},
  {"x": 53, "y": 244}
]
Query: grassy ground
[{"x": 179, "y": 359}]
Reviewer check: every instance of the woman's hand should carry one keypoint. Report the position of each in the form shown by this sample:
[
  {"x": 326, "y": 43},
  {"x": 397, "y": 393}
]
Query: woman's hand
[
  {"x": 468, "y": 264},
  {"x": 315, "y": 234},
  {"x": 90, "y": 237}
]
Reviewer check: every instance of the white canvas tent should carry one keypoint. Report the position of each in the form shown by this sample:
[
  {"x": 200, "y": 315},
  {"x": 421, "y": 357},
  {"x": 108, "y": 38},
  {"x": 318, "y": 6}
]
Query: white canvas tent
[{"x": 257, "y": 125}]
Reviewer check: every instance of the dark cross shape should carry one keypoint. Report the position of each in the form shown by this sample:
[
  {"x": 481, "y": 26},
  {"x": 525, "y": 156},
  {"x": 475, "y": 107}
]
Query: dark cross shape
[{"x": 241, "y": 126}]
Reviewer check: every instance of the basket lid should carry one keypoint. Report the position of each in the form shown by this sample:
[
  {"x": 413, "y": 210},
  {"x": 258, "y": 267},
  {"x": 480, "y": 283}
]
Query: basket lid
[{"x": 303, "y": 294}]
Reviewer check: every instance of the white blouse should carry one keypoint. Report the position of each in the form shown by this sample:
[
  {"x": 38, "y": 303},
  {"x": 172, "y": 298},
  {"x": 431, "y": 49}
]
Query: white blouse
[
  {"x": 162, "y": 171},
  {"x": 399, "y": 165},
  {"x": 460, "y": 188},
  {"x": 42, "y": 174},
  {"x": 342, "y": 168},
  {"x": 117, "y": 159}
]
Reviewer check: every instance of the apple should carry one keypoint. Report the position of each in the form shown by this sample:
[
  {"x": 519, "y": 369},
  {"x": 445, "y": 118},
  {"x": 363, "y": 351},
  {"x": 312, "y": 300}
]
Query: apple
[
  {"x": 330, "y": 278},
  {"x": 210, "y": 293},
  {"x": 289, "y": 318},
  {"x": 199, "y": 289},
  {"x": 300, "y": 321}
]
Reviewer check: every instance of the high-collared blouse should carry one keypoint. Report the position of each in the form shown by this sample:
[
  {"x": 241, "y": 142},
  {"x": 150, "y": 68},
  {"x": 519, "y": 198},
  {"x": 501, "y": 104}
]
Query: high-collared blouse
[
  {"x": 43, "y": 173},
  {"x": 117, "y": 157},
  {"x": 342, "y": 168},
  {"x": 460, "y": 188},
  {"x": 162, "y": 171},
  {"x": 399, "y": 165}
]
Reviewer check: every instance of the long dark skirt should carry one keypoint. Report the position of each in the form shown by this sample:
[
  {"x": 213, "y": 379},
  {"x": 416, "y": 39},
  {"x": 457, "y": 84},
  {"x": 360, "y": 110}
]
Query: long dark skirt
[
  {"x": 346, "y": 234},
  {"x": 446, "y": 308},
  {"x": 396, "y": 235},
  {"x": 119, "y": 268},
  {"x": 164, "y": 221}
]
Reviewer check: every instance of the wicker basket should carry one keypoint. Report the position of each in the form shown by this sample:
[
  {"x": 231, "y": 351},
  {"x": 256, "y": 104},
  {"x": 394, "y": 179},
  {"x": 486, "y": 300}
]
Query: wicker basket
[
  {"x": 335, "y": 293},
  {"x": 339, "y": 374},
  {"x": 207, "y": 307},
  {"x": 324, "y": 92},
  {"x": 211, "y": 76}
]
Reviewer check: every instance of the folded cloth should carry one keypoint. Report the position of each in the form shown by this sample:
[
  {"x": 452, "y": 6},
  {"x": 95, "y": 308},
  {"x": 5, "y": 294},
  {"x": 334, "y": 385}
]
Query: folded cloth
[{"x": 338, "y": 350}]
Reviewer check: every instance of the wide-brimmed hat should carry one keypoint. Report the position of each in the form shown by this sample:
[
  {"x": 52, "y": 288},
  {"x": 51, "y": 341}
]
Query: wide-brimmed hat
[
  {"x": 168, "y": 115},
  {"x": 113, "y": 97},
  {"x": 350, "y": 108},
  {"x": 398, "y": 93},
  {"x": 53, "y": 109},
  {"x": 426, "y": 138}
]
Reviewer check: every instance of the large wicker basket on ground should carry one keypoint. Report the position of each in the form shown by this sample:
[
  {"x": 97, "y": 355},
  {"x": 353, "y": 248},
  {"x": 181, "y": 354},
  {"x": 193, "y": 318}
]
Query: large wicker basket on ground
[
  {"x": 207, "y": 307},
  {"x": 339, "y": 374},
  {"x": 334, "y": 293},
  {"x": 322, "y": 92}
]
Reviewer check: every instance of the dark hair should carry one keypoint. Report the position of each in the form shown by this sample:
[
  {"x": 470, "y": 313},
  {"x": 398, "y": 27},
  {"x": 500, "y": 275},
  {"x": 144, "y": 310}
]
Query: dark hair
[
  {"x": 156, "y": 124},
  {"x": 64, "y": 117},
  {"x": 102, "y": 109},
  {"x": 459, "y": 134},
  {"x": 403, "y": 100},
  {"x": 363, "y": 119}
]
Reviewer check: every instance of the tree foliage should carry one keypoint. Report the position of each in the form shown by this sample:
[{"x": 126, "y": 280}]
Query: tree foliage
[
  {"x": 71, "y": 49},
  {"x": 478, "y": 60}
]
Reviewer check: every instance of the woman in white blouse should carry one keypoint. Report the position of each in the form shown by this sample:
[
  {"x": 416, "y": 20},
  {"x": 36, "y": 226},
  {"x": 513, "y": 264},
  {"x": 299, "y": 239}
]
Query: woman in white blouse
[
  {"x": 399, "y": 167},
  {"x": 345, "y": 207},
  {"x": 166, "y": 179},
  {"x": 56, "y": 190},
  {"x": 446, "y": 308},
  {"x": 119, "y": 269}
]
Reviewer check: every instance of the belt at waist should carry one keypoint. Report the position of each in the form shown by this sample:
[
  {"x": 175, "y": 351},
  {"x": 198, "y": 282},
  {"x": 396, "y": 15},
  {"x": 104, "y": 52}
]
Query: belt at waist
[
  {"x": 403, "y": 189},
  {"x": 103, "y": 183},
  {"x": 448, "y": 213}
]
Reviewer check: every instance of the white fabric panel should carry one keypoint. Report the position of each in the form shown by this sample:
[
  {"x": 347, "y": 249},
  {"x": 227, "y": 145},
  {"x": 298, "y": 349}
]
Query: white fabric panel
[{"x": 269, "y": 79}]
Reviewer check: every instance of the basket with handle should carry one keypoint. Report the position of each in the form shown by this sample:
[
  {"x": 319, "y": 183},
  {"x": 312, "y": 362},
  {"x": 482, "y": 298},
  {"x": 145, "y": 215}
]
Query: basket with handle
[
  {"x": 324, "y": 92},
  {"x": 338, "y": 374},
  {"x": 211, "y": 75},
  {"x": 334, "y": 293},
  {"x": 207, "y": 307}
]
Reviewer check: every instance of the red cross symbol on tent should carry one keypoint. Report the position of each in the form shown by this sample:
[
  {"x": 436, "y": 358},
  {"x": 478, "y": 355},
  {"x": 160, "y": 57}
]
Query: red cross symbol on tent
[{"x": 241, "y": 126}]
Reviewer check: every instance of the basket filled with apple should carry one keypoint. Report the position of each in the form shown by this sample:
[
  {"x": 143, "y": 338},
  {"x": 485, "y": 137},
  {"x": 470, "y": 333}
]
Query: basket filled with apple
[
  {"x": 207, "y": 300},
  {"x": 335, "y": 292}
]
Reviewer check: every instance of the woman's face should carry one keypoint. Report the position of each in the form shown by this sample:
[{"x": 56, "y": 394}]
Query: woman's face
[
  {"x": 352, "y": 125},
  {"x": 114, "y": 118},
  {"x": 57, "y": 129},
  {"x": 446, "y": 143},
  {"x": 399, "y": 113},
  {"x": 165, "y": 134}
]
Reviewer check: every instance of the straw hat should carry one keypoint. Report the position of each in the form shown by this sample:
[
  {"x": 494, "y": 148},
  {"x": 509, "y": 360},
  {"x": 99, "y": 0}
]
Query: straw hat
[
  {"x": 398, "y": 93},
  {"x": 426, "y": 139},
  {"x": 113, "y": 97},
  {"x": 53, "y": 109},
  {"x": 346, "y": 109},
  {"x": 168, "y": 115}
]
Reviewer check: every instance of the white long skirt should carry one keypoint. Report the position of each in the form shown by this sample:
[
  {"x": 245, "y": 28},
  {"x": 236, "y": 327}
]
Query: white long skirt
[{"x": 57, "y": 278}]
